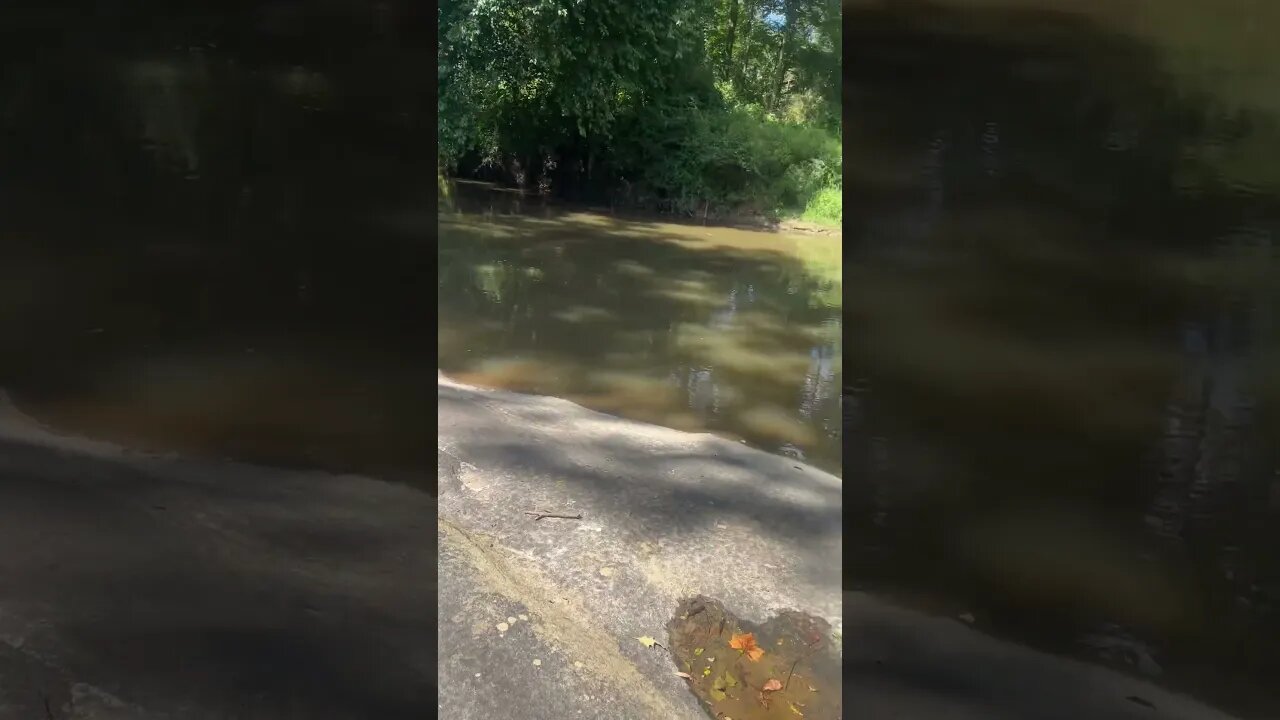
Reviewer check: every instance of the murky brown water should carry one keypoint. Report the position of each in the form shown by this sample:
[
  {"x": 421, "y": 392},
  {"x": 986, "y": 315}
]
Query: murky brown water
[
  {"x": 208, "y": 359},
  {"x": 1061, "y": 278},
  {"x": 225, "y": 261},
  {"x": 783, "y": 668},
  {"x": 697, "y": 328}
]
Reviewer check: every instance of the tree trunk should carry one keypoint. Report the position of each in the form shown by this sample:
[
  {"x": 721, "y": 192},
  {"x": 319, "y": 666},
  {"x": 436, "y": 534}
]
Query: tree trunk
[
  {"x": 784, "y": 51},
  {"x": 733, "y": 32},
  {"x": 775, "y": 100}
]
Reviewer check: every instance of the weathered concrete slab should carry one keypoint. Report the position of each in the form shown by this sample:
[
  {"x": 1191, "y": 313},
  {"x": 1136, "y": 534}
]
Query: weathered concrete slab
[
  {"x": 161, "y": 587},
  {"x": 905, "y": 665},
  {"x": 511, "y": 674},
  {"x": 665, "y": 515}
]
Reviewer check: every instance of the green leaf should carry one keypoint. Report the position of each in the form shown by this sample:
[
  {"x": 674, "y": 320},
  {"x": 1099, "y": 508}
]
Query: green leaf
[{"x": 721, "y": 685}]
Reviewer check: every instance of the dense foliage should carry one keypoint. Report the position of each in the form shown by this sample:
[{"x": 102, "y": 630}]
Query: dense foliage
[{"x": 711, "y": 106}]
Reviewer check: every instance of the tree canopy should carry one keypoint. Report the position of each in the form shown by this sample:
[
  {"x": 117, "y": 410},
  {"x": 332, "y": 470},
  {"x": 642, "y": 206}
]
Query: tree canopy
[{"x": 674, "y": 105}]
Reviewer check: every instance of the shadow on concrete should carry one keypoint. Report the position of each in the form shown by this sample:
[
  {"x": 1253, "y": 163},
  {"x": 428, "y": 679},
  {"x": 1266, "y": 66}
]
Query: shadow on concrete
[
  {"x": 227, "y": 591},
  {"x": 660, "y": 493}
]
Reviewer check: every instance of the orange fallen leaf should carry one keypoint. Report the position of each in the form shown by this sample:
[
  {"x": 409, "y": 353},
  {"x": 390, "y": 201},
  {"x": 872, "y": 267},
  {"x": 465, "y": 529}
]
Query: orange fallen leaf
[
  {"x": 772, "y": 685},
  {"x": 746, "y": 642}
]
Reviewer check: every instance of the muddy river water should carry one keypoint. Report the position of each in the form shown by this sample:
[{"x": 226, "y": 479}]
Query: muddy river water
[
  {"x": 736, "y": 332},
  {"x": 1060, "y": 284}
]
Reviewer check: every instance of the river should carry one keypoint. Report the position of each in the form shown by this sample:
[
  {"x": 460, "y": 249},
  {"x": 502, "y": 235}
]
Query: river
[
  {"x": 1060, "y": 279},
  {"x": 700, "y": 328},
  {"x": 219, "y": 262}
]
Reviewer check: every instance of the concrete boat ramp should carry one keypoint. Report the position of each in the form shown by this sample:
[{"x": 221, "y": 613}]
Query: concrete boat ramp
[
  {"x": 665, "y": 515},
  {"x": 139, "y": 586}
]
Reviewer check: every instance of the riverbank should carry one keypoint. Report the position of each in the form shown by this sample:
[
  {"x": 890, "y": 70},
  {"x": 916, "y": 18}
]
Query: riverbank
[
  {"x": 479, "y": 196},
  {"x": 796, "y": 225}
]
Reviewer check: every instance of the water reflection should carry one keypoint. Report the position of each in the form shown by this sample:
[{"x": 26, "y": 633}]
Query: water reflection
[
  {"x": 1060, "y": 287},
  {"x": 204, "y": 246},
  {"x": 690, "y": 327}
]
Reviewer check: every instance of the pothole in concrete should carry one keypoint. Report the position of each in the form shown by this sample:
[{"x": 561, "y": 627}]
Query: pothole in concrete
[{"x": 785, "y": 668}]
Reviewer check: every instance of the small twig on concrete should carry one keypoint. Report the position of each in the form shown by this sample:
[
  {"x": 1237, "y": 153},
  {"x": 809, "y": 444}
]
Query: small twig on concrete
[
  {"x": 544, "y": 514},
  {"x": 787, "y": 684}
]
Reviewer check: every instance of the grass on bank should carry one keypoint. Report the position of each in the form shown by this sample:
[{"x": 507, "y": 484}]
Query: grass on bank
[{"x": 825, "y": 207}]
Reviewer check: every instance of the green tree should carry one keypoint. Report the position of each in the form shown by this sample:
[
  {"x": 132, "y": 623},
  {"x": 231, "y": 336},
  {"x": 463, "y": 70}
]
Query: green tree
[
  {"x": 521, "y": 75},
  {"x": 659, "y": 103}
]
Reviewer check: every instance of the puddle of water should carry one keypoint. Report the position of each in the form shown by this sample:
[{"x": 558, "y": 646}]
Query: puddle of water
[{"x": 797, "y": 674}]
